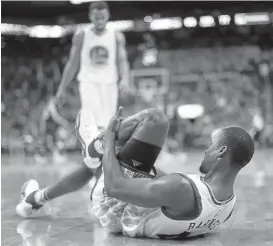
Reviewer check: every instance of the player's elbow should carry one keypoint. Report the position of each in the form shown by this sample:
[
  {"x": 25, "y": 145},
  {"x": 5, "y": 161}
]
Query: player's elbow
[
  {"x": 110, "y": 188},
  {"x": 72, "y": 66},
  {"x": 111, "y": 191},
  {"x": 114, "y": 189}
]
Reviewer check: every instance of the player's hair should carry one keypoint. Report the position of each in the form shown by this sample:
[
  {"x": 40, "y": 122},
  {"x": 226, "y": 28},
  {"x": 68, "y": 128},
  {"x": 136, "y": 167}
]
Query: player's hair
[
  {"x": 100, "y": 5},
  {"x": 239, "y": 143}
]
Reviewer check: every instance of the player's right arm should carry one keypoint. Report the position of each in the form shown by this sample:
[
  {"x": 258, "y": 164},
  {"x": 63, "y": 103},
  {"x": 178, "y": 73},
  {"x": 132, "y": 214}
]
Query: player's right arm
[
  {"x": 174, "y": 191},
  {"x": 72, "y": 66}
]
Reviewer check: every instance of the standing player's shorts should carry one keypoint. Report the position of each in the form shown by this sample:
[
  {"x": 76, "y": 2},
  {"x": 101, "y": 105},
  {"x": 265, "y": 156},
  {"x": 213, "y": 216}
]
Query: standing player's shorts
[{"x": 101, "y": 99}]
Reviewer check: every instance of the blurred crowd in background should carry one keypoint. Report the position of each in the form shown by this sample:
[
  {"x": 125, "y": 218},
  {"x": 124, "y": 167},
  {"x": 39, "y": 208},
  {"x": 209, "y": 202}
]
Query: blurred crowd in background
[{"x": 231, "y": 77}]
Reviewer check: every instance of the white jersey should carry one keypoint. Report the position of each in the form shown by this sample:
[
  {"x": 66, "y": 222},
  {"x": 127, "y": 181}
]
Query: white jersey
[
  {"x": 156, "y": 223},
  {"x": 98, "y": 61}
]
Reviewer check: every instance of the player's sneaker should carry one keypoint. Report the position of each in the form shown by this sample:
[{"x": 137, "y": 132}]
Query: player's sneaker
[
  {"x": 27, "y": 205},
  {"x": 94, "y": 160},
  {"x": 92, "y": 155},
  {"x": 90, "y": 138}
]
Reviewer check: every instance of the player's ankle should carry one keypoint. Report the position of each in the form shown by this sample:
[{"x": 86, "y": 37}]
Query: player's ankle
[{"x": 40, "y": 197}]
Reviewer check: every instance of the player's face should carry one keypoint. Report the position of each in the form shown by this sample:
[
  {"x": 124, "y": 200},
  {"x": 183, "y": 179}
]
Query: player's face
[
  {"x": 99, "y": 17},
  {"x": 210, "y": 157}
]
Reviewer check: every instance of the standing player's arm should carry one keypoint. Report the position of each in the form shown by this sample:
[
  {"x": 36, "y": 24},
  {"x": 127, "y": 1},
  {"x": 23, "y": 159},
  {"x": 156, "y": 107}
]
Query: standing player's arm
[
  {"x": 166, "y": 191},
  {"x": 124, "y": 70},
  {"x": 72, "y": 66}
]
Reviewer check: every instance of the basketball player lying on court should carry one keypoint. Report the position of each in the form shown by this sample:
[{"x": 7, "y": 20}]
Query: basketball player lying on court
[{"x": 130, "y": 197}]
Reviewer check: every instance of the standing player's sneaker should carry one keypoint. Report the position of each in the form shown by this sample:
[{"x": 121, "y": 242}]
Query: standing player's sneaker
[
  {"x": 27, "y": 204},
  {"x": 95, "y": 155},
  {"x": 90, "y": 138}
]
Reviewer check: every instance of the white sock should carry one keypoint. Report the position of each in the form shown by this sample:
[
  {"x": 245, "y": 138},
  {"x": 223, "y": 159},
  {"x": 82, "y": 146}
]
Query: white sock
[{"x": 40, "y": 197}]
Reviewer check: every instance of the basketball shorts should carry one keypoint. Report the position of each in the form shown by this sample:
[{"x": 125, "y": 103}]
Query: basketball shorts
[
  {"x": 101, "y": 99},
  {"x": 137, "y": 161}
]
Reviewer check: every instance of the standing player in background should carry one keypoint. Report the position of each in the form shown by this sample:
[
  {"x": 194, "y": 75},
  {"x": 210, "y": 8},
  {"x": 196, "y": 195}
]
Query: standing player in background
[{"x": 99, "y": 59}]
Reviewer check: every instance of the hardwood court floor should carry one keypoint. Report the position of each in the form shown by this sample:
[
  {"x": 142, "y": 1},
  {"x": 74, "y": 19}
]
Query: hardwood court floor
[{"x": 67, "y": 221}]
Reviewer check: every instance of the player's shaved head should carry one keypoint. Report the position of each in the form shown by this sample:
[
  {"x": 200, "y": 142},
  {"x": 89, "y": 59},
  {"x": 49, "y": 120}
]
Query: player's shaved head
[
  {"x": 232, "y": 145},
  {"x": 238, "y": 142}
]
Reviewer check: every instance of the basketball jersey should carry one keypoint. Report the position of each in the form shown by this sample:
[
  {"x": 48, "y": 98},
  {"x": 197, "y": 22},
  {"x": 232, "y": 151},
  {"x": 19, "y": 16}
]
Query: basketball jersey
[
  {"x": 98, "y": 60},
  {"x": 156, "y": 223}
]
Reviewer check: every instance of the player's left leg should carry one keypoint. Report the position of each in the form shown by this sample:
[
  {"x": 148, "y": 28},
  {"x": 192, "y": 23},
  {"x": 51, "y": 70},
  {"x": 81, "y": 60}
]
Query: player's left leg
[
  {"x": 33, "y": 198},
  {"x": 142, "y": 149}
]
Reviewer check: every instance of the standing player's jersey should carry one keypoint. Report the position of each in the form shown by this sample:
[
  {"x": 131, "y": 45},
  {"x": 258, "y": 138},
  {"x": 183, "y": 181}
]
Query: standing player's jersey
[
  {"x": 98, "y": 62},
  {"x": 156, "y": 223}
]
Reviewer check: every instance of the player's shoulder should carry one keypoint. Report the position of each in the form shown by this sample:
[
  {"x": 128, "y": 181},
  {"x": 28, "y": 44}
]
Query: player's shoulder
[
  {"x": 78, "y": 35},
  {"x": 79, "y": 31},
  {"x": 179, "y": 183},
  {"x": 177, "y": 192}
]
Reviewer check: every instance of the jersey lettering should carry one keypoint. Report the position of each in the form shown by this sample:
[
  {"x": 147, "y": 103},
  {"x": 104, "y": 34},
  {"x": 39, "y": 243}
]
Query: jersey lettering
[
  {"x": 99, "y": 55},
  {"x": 210, "y": 224}
]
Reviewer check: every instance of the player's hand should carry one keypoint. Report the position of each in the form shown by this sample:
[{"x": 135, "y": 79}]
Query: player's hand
[
  {"x": 48, "y": 109},
  {"x": 59, "y": 100},
  {"x": 46, "y": 112},
  {"x": 51, "y": 104},
  {"x": 113, "y": 127}
]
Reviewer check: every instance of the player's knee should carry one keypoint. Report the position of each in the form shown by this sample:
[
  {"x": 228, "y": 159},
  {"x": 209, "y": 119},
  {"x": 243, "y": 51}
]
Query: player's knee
[
  {"x": 153, "y": 128},
  {"x": 158, "y": 118}
]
